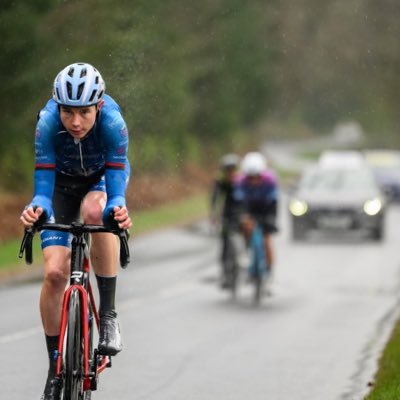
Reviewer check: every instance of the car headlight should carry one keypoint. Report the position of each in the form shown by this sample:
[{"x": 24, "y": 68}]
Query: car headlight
[
  {"x": 298, "y": 207},
  {"x": 372, "y": 207}
]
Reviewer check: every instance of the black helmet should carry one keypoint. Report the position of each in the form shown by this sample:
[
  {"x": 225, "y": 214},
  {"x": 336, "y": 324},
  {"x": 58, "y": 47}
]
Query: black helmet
[{"x": 229, "y": 161}]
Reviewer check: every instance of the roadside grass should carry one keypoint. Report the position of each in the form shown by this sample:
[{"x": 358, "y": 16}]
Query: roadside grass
[
  {"x": 179, "y": 212},
  {"x": 312, "y": 155},
  {"x": 387, "y": 381},
  {"x": 9, "y": 253},
  {"x": 287, "y": 176}
]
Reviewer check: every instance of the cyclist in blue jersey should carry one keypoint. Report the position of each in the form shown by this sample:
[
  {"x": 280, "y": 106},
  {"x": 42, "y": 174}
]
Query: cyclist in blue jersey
[
  {"x": 257, "y": 189},
  {"x": 81, "y": 169}
]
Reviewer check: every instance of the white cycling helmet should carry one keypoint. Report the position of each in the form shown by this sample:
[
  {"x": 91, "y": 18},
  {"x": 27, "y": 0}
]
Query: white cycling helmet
[
  {"x": 253, "y": 163},
  {"x": 78, "y": 85}
]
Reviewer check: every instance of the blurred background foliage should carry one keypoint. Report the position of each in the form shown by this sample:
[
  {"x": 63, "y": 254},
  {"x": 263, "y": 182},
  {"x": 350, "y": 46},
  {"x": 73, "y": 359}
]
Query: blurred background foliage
[{"x": 196, "y": 78}]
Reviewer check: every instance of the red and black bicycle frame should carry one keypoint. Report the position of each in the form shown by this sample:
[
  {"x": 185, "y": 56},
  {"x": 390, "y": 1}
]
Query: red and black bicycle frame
[{"x": 87, "y": 300}]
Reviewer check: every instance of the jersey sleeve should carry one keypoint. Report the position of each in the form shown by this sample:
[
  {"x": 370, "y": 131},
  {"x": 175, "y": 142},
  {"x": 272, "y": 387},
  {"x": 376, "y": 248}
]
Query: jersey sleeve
[
  {"x": 116, "y": 140},
  {"x": 272, "y": 191},
  {"x": 214, "y": 196},
  {"x": 45, "y": 162}
]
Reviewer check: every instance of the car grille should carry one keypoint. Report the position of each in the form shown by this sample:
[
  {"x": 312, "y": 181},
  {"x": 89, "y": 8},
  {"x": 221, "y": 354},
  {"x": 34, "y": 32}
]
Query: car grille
[{"x": 333, "y": 218}]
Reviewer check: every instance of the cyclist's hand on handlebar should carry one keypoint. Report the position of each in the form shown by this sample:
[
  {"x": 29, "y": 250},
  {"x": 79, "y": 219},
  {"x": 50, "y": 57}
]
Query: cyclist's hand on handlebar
[
  {"x": 29, "y": 216},
  {"x": 121, "y": 215}
]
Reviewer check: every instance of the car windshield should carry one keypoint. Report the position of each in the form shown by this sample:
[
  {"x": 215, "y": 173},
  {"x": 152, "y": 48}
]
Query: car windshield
[{"x": 338, "y": 180}]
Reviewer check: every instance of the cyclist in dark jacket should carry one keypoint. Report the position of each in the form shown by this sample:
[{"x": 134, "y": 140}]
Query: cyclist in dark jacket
[
  {"x": 224, "y": 208},
  {"x": 81, "y": 168}
]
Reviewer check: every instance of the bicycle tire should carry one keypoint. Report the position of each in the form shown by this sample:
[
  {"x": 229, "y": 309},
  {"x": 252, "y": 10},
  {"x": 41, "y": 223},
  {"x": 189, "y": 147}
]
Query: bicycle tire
[
  {"x": 73, "y": 383},
  {"x": 90, "y": 322},
  {"x": 258, "y": 283},
  {"x": 260, "y": 267},
  {"x": 87, "y": 395},
  {"x": 232, "y": 266}
]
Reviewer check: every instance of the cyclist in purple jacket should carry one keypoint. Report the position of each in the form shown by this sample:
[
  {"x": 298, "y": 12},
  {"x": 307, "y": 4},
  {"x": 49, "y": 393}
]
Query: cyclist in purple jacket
[
  {"x": 81, "y": 169},
  {"x": 258, "y": 191}
]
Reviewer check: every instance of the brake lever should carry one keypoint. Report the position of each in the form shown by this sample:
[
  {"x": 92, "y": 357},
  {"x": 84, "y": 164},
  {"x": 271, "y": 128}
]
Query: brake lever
[
  {"x": 124, "y": 254},
  {"x": 27, "y": 240},
  {"x": 26, "y": 246}
]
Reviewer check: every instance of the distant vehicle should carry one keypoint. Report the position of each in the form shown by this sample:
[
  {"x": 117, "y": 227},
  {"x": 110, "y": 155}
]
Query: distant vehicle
[
  {"x": 337, "y": 198},
  {"x": 341, "y": 159},
  {"x": 385, "y": 165}
]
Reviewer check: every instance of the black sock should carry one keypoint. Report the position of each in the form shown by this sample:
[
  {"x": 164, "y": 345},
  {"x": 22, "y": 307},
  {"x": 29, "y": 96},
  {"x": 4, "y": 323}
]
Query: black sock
[
  {"x": 52, "y": 347},
  {"x": 107, "y": 286}
]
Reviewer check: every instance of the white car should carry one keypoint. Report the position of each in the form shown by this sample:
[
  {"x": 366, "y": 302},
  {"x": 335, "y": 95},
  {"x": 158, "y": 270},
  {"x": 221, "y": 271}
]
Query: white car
[{"x": 337, "y": 198}]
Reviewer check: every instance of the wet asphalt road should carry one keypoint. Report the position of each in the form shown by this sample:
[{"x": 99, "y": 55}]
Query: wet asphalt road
[{"x": 317, "y": 338}]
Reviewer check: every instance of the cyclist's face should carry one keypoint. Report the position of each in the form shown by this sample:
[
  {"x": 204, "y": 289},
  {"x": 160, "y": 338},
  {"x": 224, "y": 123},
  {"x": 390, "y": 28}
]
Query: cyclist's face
[
  {"x": 78, "y": 121},
  {"x": 230, "y": 174},
  {"x": 254, "y": 180}
]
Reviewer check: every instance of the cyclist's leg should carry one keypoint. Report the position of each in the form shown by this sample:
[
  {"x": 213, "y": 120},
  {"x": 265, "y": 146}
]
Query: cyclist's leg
[
  {"x": 224, "y": 253},
  {"x": 56, "y": 260},
  {"x": 269, "y": 250},
  {"x": 247, "y": 225},
  {"x": 104, "y": 254},
  {"x": 223, "y": 238},
  {"x": 56, "y": 273},
  {"x": 248, "y": 228},
  {"x": 104, "y": 247},
  {"x": 56, "y": 254},
  {"x": 268, "y": 225}
]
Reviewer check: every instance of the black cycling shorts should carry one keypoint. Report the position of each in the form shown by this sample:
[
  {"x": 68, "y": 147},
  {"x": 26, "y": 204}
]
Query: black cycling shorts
[
  {"x": 69, "y": 191},
  {"x": 267, "y": 223}
]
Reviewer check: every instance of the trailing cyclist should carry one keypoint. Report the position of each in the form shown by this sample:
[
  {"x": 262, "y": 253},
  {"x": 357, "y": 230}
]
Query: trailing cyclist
[
  {"x": 224, "y": 207},
  {"x": 81, "y": 169},
  {"x": 257, "y": 189}
]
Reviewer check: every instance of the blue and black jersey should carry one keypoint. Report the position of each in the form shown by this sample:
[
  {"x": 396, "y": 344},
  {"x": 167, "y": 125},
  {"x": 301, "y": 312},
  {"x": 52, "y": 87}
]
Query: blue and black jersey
[{"x": 104, "y": 148}]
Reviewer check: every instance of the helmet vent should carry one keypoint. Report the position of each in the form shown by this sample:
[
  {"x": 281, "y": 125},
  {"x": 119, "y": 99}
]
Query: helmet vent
[
  {"x": 92, "y": 96},
  {"x": 71, "y": 72},
  {"x": 83, "y": 72},
  {"x": 58, "y": 93},
  {"x": 69, "y": 90},
  {"x": 80, "y": 90},
  {"x": 97, "y": 80},
  {"x": 101, "y": 94}
]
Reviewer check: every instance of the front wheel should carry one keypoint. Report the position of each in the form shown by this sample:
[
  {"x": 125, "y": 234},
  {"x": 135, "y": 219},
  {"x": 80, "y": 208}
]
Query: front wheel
[
  {"x": 73, "y": 384},
  {"x": 258, "y": 269},
  {"x": 231, "y": 267},
  {"x": 258, "y": 287}
]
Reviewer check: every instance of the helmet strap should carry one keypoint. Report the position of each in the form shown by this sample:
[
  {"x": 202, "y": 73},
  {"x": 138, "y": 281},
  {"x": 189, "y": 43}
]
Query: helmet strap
[{"x": 100, "y": 104}]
